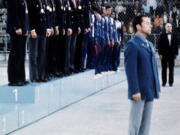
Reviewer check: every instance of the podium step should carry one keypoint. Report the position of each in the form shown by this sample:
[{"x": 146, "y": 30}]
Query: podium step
[{"x": 21, "y": 106}]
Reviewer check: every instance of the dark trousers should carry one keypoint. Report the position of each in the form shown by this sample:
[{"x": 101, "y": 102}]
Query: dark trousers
[
  {"x": 60, "y": 53},
  {"x": 110, "y": 58},
  {"x": 16, "y": 61},
  {"x": 101, "y": 55},
  {"x": 84, "y": 50},
  {"x": 79, "y": 51},
  {"x": 116, "y": 56},
  {"x": 37, "y": 58},
  {"x": 73, "y": 50},
  {"x": 107, "y": 58},
  {"x": 67, "y": 54},
  {"x": 167, "y": 62},
  {"x": 89, "y": 43},
  {"x": 98, "y": 56},
  {"x": 52, "y": 46}
]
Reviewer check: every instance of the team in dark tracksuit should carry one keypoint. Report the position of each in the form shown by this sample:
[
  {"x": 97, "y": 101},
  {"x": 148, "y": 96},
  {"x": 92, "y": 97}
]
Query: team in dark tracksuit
[
  {"x": 65, "y": 37},
  {"x": 118, "y": 36},
  {"x": 103, "y": 42}
]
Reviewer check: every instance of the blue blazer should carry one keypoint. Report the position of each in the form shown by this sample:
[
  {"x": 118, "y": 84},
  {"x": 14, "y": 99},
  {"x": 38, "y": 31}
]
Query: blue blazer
[{"x": 141, "y": 68}]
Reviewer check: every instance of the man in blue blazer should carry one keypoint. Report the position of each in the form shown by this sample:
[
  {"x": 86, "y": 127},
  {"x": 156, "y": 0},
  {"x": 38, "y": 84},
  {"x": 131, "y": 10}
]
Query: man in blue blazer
[{"x": 142, "y": 76}]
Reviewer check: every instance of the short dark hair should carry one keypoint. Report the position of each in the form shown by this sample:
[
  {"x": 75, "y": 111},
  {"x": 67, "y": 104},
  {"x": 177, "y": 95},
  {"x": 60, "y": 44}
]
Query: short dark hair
[
  {"x": 108, "y": 6},
  {"x": 102, "y": 8},
  {"x": 138, "y": 20},
  {"x": 94, "y": 7}
]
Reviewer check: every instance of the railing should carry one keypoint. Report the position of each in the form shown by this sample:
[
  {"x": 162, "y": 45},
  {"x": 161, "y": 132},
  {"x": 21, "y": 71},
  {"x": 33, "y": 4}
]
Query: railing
[
  {"x": 4, "y": 37},
  {"x": 4, "y": 42}
]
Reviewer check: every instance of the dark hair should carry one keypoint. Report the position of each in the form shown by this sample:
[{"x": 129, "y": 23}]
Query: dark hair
[
  {"x": 101, "y": 9},
  {"x": 108, "y": 6},
  {"x": 94, "y": 7},
  {"x": 138, "y": 20}
]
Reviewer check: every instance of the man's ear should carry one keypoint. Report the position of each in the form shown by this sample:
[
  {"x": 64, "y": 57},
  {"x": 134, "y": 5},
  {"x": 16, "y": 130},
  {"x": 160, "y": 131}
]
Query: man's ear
[{"x": 138, "y": 27}]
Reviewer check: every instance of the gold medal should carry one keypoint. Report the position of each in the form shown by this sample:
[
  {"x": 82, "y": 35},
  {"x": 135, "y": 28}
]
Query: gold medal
[
  {"x": 26, "y": 11},
  {"x": 62, "y": 7},
  {"x": 79, "y": 7},
  {"x": 47, "y": 7},
  {"x": 42, "y": 11},
  {"x": 50, "y": 9},
  {"x": 54, "y": 9},
  {"x": 69, "y": 8}
]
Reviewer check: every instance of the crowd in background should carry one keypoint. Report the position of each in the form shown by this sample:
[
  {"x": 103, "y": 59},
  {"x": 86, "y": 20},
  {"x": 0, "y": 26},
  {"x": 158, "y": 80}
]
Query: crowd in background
[{"x": 160, "y": 11}]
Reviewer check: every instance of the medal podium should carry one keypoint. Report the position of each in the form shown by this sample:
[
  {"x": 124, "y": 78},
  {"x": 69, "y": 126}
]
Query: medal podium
[{"x": 21, "y": 106}]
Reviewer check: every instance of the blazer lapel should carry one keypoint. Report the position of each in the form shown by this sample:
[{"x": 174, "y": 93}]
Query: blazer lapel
[
  {"x": 143, "y": 44},
  {"x": 152, "y": 48}
]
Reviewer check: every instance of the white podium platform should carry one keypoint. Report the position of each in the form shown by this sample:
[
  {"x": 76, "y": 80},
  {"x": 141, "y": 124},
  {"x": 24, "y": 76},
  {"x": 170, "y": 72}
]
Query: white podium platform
[{"x": 21, "y": 106}]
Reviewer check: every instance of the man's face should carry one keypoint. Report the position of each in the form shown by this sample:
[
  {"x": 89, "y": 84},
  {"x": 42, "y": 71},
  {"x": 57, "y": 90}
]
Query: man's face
[
  {"x": 113, "y": 15},
  {"x": 108, "y": 11},
  {"x": 145, "y": 26},
  {"x": 104, "y": 11},
  {"x": 124, "y": 9},
  {"x": 168, "y": 28}
]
